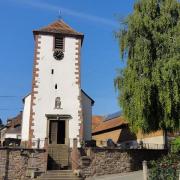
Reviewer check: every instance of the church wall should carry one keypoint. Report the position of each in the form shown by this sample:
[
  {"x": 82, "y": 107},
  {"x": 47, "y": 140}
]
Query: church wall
[
  {"x": 25, "y": 119},
  {"x": 67, "y": 79},
  {"x": 87, "y": 117}
]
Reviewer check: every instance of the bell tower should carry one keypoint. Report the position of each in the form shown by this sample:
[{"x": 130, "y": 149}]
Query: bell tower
[{"x": 56, "y": 109}]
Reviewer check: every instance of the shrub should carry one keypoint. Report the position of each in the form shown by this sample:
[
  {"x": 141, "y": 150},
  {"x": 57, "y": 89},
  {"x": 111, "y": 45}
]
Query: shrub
[
  {"x": 175, "y": 145},
  {"x": 166, "y": 168}
]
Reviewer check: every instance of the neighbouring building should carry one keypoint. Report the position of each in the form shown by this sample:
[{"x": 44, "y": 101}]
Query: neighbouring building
[
  {"x": 115, "y": 128},
  {"x": 57, "y": 110},
  {"x": 12, "y": 130}
]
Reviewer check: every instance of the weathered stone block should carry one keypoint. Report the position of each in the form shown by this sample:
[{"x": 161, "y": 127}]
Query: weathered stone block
[{"x": 14, "y": 162}]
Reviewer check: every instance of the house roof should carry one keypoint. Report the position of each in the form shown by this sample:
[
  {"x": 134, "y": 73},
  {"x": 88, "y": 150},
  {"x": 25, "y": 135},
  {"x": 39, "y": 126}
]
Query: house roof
[
  {"x": 107, "y": 125},
  {"x": 59, "y": 27},
  {"x": 96, "y": 120},
  {"x": 23, "y": 100}
]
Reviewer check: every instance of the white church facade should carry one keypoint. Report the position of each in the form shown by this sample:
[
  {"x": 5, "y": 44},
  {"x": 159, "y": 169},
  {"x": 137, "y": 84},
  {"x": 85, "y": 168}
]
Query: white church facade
[{"x": 57, "y": 110}]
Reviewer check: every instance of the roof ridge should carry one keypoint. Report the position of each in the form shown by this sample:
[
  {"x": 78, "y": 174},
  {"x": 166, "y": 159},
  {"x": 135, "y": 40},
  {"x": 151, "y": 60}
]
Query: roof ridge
[
  {"x": 59, "y": 26},
  {"x": 58, "y": 21},
  {"x": 65, "y": 24}
]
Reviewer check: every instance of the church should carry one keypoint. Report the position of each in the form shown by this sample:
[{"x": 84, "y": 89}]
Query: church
[{"x": 57, "y": 110}]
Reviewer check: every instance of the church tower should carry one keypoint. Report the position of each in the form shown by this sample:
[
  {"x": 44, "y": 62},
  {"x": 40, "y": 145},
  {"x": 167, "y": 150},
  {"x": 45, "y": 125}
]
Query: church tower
[{"x": 56, "y": 101}]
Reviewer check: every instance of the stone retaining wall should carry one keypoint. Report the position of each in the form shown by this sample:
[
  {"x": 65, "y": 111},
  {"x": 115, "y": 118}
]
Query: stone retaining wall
[
  {"x": 111, "y": 161},
  {"x": 15, "y": 163}
]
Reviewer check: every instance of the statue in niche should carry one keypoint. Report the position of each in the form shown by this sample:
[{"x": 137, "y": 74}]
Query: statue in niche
[{"x": 57, "y": 103}]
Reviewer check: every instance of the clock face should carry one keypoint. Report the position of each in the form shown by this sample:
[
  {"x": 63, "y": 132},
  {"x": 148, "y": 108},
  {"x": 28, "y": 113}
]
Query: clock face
[{"x": 58, "y": 55}]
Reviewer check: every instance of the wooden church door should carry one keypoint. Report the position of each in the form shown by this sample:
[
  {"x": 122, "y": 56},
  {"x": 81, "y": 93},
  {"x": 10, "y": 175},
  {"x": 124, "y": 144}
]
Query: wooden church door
[{"x": 53, "y": 132}]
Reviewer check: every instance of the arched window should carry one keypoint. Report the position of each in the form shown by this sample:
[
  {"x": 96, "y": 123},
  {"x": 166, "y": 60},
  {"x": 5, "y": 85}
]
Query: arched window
[{"x": 57, "y": 103}]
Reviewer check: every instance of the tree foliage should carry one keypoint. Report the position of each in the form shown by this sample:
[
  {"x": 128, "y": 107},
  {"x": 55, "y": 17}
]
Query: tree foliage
[
  {"x": 149, "y": 85},
  {"x": 176, "y": 145}
]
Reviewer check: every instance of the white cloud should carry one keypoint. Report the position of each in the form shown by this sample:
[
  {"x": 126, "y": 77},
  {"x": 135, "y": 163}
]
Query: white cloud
[{"x": 66, "y": 11}]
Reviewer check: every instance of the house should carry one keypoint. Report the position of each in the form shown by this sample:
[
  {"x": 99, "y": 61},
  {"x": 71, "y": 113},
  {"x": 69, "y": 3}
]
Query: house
[
  {"x": 57, "y": 110},
  {"x": 112, "y": 127},
  {"x": 12, "y": 130},
  {"x": 96, "y": 120},
  {"x": 115, "y": 128}
]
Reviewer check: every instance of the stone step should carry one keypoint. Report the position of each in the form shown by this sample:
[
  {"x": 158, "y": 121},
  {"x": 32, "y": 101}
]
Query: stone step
[
  {"x": 59, "y": 170},
  {"x": 52, "y": 175},
  {"x": 59, "y": 174},
  {"x": 59, "y": 178}
]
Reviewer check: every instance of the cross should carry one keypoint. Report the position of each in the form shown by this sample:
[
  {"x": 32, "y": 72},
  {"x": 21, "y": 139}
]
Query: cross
[{"x": 60, "y": 15}]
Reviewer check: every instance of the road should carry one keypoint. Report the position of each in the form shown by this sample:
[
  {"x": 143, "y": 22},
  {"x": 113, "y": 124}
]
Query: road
[{"x": 137, "y": 175}]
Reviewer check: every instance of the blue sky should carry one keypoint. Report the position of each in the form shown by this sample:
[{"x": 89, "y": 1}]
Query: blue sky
[{"x": 100, "y": 53}]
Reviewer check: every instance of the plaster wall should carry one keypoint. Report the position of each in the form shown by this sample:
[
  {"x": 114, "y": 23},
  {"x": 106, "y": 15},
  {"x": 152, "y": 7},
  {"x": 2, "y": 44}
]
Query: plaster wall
[
  {"x": 25, "y": 119},
  {"x": 156, "y": 142},
  {"x": 65, "y": 77}
]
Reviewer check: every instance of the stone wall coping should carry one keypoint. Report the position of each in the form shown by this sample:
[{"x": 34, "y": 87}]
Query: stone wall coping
[
  {"x": 114, "y": 148},
  {"x": 22, "y": 149},
  {"x": 123, "y": 150}
]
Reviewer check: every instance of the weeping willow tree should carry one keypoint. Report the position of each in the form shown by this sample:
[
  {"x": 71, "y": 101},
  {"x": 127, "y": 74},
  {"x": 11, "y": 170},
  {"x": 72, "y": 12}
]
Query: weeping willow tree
[{"x": 149, "y": 85}]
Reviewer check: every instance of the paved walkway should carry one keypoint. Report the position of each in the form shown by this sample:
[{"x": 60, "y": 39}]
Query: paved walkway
[{"x": 137, "y": 175}]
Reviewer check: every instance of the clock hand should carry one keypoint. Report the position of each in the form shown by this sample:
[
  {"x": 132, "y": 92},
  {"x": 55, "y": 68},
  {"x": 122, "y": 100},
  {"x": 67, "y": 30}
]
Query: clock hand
[{"x": 58, "y": 53}]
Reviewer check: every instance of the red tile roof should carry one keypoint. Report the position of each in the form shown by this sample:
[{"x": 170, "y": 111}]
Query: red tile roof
[
  {"x": 96, "y": 120},
  {"x": 58, "y": 26},
  {"x": 105, "y": 125}
]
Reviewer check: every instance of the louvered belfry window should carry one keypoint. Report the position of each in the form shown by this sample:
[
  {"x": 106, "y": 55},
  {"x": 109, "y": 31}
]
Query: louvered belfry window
[{"x": 59, "y": 43}]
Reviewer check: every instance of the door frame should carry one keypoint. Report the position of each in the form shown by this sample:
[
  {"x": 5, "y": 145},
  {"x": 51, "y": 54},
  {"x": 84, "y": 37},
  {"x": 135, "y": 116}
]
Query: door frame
[{"x": 59, "y": 117}]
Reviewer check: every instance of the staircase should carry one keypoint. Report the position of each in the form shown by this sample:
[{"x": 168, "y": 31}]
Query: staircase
[
  {"x": 59, "y": 175},
  {"x": 58, "y": 156}
]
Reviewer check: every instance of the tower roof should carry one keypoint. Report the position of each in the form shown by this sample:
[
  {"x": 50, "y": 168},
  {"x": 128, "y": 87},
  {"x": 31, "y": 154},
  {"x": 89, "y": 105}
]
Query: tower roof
[{"x": 58, "y": 27}]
